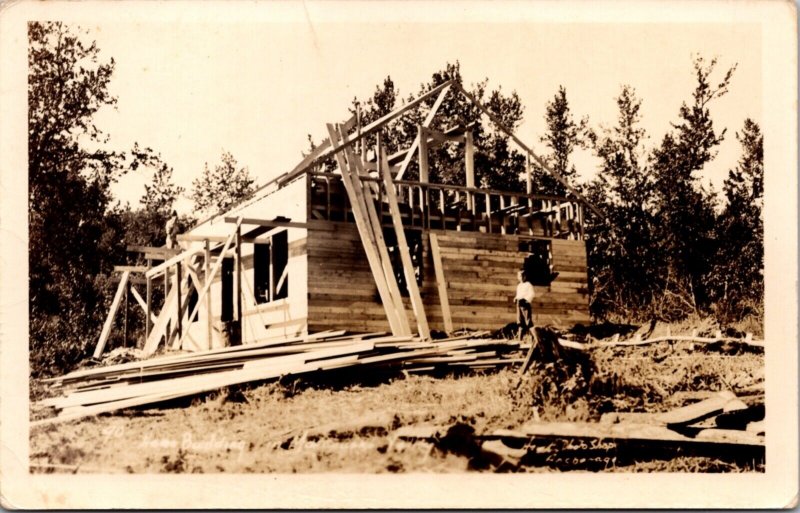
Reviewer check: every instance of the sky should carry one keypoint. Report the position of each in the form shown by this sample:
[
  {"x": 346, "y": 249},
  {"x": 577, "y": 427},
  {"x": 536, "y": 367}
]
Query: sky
[{"x": 257, "y": 89}]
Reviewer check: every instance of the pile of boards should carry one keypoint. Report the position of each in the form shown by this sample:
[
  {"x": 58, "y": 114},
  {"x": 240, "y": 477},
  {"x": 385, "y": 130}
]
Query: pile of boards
[
  {"x": 109, "y": 388},
  {"x": 722, "y": 426}
]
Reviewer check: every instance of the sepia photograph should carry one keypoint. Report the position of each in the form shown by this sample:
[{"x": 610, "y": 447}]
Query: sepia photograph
[{"x": 400, "y": 243}]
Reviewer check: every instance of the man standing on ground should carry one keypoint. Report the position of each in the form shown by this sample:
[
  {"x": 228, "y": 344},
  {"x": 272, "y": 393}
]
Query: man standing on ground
[{"x": 524, "y": 302}]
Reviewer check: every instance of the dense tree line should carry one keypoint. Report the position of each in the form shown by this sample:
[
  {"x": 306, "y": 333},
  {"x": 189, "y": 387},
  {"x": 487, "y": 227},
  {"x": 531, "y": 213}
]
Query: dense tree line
[
  {"x": 77, "y": 232},
  {"x": 665, "y": 245}
]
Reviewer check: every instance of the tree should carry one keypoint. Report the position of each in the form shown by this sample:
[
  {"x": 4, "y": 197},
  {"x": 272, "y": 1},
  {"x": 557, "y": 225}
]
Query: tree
[
  {"x": 161, "y": 193},
  {"x": 562, "y": 137},
  {"x": 69, "y": 173},
  {"x": 497, "y": 165},
  {"x": 685, "y": 210},
  {"x": 222, "y": 186},
  {"x": 621, "y": 246},
  {"x": 737, "y": 278}
]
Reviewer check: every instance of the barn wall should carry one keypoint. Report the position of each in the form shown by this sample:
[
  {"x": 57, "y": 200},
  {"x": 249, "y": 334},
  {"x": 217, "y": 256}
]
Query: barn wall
[{"x": 480, "y": 270}]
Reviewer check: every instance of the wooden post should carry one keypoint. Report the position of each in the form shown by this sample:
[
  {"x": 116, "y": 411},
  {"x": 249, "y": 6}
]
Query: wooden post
[
  {"x": 423, "y": 154},
  {"x": 426, "y": 123},
  {"x": 424, "y": 172},
  {"x": 101, "y": 344},
  {"x": 178, "y": 320},
  {"x": 214, "y": 271},
  {"x": 405, "y": 255},
  {"x": 469, "y": 156},
  {"x": 441, "y": 283},
  {"x": 148, "y": 323},
  {"x": 125, "y": 318},
  {"x": 488, "y": 200},
  {"x": 469, "y": 166},
  {"x": 208, "y": 297},
  {"x": 238, "y": 289},
  {"x": 528, "y": 175}
]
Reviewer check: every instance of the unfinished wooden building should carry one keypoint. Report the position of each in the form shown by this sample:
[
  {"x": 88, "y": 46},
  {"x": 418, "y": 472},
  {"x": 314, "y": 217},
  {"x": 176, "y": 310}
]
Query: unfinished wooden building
[{"x": 361, "y": 249}]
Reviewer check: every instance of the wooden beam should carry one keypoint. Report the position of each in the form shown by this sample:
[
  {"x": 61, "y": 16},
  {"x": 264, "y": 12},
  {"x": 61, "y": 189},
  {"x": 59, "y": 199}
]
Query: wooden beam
[
  {"x": 175, "y": 337},
  {"x": 528, "y": 175},
  {"x": 375, "y": 125},
  {"x": 273, "y": 223},
  {"x": 441, "y": 284},
  {"x": 405, "y": 255},
  {"x": 101, "y": 343},
  {"x": 130, "y": 268},
  {"x": 237, "y": 304},
  {"x": 160, "y": 268},
  {"x": 469, "y": 161},
  {"x": 148, "y": 310},
  {"x": 444, "y": 137},
  {"x": 364, "y": 194},
  {"x": 207, "y": 263},
  {"x": 214, "y": 270},
  {"x": 153, "y": 249},
  {"x": 322, "y": 154},
  {"x": 448, "y": 135},
  {"x": 425, "y": 123},
  {"x": 422, "y": 138},
  {"x": 366, "y": 239},
  {"x": 142, "y": 303},
  {"x": 125, "y": 316},
  {"x": 178, "y": 281},
  {"x": 133, "y": 279},
  {"x": 528, "y": 151},
  {"x": 364, "y": 191}
]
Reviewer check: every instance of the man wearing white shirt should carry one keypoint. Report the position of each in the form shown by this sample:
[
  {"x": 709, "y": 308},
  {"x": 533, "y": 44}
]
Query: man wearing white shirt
[{"x": 524, "y": 302}]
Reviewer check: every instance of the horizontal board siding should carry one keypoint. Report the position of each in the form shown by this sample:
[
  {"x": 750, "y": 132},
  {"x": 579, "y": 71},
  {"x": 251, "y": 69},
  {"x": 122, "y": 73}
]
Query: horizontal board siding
[{"x": 480, "y": 271}]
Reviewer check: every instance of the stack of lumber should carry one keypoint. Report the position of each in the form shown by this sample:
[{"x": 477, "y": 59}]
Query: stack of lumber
[
  {"x": 110, "y": 388},
  {"x": 722, "y": 426}
]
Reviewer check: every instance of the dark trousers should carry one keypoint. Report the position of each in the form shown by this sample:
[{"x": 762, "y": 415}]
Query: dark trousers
[{"x": 524, "y": 317}]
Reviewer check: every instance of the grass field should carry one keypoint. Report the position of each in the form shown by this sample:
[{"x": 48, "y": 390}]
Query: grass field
[{"x": 345, "y": 422}]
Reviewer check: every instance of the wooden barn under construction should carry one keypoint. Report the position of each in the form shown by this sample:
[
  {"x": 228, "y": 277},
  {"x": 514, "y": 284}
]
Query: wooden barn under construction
[{"x": 364, "y": 250}]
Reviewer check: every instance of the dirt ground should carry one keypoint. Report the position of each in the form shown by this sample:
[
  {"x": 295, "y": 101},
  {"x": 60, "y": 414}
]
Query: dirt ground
[{"x": 345, "y": 423}]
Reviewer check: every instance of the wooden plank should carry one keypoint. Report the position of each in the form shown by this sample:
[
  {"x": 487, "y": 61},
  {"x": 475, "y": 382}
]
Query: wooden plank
[
  {"x": 422, "y": 137},
  {"x": 425, "y": 123},
  {"x": 365, "y": 131},
  {"x": 130, "y": 268},
  {"x": 237, "y": 278},
  {"x": 697, "y": 411},
  {"x": 269, "y": 223},
  {"x": 175, "y": 337},
  {"x": 627, "y": 431},
  {"x": 142, "y": 303},
  {"x": 178, "y": 281},
  {"x": 207, "y": 264},
  {"x": 441, "y": 284},
  {"x": 366, "y": 199},
  {"x": 161, "y": 268},
  {"x": 469, "y": 158},
  {"x": 101, "y": 343},
  {"x": 148, "y": 314},
  {"x": 405, "y": 255},
  {"x": 369, "y": 245},
  {"x": 153, "y": 249},
  {"x": 252, "y": 369}
]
